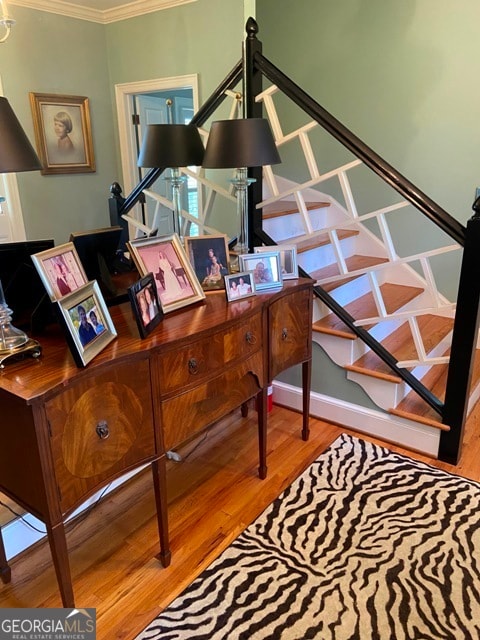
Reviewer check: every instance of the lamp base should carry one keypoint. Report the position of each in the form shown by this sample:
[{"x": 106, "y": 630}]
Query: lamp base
[{"x": 30, "y": 348}]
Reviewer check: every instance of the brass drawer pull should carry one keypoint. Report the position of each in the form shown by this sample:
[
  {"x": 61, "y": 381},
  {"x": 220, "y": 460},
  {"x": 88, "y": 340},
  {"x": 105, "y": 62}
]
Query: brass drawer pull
[
  {"x": 192, "y": 366},
  {"x": 102, "y": 430},
  {"x": 284, "y": 333},
  {"x": 250, "y": 338}
]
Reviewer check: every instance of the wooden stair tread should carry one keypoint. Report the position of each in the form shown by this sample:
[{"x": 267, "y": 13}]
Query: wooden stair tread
[
  {"x": 384, "y": 373},
  {"x": 400, "y": 343},
  {"x": 395, "y": 296},
  {"x": 319, "y": 240},
  {"x": 431, "y": 420},
  {"x": 287, "y": 207},
  {"x": 340, "y": 329},
  {"x": 354, "y": 263},
  {"x": 414, "y": 408}
]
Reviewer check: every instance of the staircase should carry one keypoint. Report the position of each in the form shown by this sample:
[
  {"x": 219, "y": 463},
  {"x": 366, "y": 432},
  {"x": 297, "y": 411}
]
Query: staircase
[{"x": 396, "y": 304}]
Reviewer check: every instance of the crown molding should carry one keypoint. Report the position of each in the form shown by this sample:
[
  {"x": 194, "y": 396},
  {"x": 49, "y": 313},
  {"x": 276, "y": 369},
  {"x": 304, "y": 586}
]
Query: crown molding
[{"x": 122, "y": 12}]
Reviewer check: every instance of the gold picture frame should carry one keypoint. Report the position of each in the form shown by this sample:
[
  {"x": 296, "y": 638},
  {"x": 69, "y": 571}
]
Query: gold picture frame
[
  {"x": 63, "y": 133},
  {"x": 175, "y": 280}
]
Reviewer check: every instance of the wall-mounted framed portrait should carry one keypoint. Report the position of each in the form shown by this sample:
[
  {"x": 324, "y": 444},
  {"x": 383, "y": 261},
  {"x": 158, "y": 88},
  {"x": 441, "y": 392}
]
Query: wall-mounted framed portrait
[{"x": 63, "y": 133}]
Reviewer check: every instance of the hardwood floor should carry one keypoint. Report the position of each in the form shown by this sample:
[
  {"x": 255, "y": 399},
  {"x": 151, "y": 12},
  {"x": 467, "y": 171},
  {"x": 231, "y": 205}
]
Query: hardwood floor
[{"x": 214, "y": 493}]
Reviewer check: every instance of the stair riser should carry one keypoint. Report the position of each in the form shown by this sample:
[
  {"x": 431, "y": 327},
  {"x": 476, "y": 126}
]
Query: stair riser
[
  {"x": 285, "y": 228},
  {"x": 339, "y": 350},
  {"x": 385, "y": 394},
  {"x": 312, "y": 259}
]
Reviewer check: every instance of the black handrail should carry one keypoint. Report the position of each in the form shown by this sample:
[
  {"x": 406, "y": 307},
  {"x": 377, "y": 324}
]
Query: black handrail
[
  {"x": 389, "y": 174},
  {"x": 257, "y": 64}
]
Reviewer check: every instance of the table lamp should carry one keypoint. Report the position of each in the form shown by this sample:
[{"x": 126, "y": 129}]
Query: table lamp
[
  {"x": 16, "y": 154},
  {"x": 239, "y": 144},
  {"x": 172, "y": 146}
]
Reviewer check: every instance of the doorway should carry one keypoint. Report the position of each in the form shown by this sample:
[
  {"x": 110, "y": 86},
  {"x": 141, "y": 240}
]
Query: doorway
[{"x": 164, "y": 100}]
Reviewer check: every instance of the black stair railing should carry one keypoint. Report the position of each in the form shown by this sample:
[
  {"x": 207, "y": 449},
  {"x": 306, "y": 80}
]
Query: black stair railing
[
  {"x": 257, "y": 64},
  {"x": 453, "y": 410}
]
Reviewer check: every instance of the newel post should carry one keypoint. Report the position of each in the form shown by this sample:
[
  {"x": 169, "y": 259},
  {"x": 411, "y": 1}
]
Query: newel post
[
  {"x": 464, "y": 340},
  {"x": 252, "y": 87},
  {"x": 115, "y": 204}
]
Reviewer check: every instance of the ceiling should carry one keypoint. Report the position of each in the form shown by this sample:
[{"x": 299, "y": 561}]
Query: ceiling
[{"x": 102, "y": 11}]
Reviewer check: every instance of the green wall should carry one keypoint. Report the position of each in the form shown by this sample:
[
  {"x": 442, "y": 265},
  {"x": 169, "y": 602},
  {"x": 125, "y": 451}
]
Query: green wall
[
  {"x": 48, "y": 53},
  {"x": 400, "y": 75}
]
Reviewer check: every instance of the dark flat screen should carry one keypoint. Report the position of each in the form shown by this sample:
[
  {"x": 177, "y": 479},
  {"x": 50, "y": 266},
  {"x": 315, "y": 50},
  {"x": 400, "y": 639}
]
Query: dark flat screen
[
  {"x": 22, "y": 286},
  {"x": 97, "y": 250}
]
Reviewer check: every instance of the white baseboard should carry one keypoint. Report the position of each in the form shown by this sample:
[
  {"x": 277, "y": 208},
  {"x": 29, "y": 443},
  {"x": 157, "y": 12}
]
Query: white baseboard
[{"x": 405, "y": 433}]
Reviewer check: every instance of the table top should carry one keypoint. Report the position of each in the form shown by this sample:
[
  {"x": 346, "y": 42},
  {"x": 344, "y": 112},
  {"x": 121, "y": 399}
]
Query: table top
[{"x": 31, "y": 378}]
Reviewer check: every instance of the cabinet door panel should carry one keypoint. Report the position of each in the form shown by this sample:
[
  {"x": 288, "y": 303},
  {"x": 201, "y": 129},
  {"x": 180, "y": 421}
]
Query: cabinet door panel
[
  {"x": 100, "y": 428},
  {"x": 290, "y": 331}
]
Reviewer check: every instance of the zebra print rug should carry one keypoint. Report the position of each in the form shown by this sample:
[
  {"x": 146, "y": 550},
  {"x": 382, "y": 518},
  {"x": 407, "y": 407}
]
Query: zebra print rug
[{"x": 365, "y": 544}]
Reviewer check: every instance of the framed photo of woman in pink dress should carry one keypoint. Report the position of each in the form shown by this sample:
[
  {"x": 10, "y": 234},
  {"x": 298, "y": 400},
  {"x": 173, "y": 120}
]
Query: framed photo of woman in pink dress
[
  {"x": 175, "y": 280},
  {"x": 60, "y": 269}
]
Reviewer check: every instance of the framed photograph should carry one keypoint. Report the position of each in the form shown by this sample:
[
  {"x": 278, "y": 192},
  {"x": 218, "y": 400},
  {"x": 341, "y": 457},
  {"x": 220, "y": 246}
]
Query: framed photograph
[
  {"x": 209, "y": 258},
  {"x": 87, "y": 322},
  {"x": 63, "y": 133},
  {"x": 145, "y": 304},
  {"x": 239, "y": 285},
  {"x": 175, "y": 280},
  {"x": 265, "y": 268},
  {"x": 288, "y": 259},
  {"x": 60, "y": 269}
]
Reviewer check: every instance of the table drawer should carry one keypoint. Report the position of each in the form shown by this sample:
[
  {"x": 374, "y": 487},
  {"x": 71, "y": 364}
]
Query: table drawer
[
  {"x": 189, "y": 413},
  {"x": 203, "y": 359}
]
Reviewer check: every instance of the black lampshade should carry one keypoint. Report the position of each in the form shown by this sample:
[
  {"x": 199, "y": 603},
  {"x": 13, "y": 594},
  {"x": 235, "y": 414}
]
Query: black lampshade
[
  {"x": 171, "y": 145},
  {"x": 242, "y": 142},
  {"x": 16, "y": 152}
]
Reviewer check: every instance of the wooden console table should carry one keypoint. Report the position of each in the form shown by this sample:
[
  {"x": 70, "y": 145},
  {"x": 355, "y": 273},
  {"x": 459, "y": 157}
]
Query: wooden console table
[{"x": 67, "y": 432}]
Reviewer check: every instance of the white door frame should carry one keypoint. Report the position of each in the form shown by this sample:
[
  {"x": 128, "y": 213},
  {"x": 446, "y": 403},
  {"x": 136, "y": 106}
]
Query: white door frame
[{"x": 128, "y": 147}]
